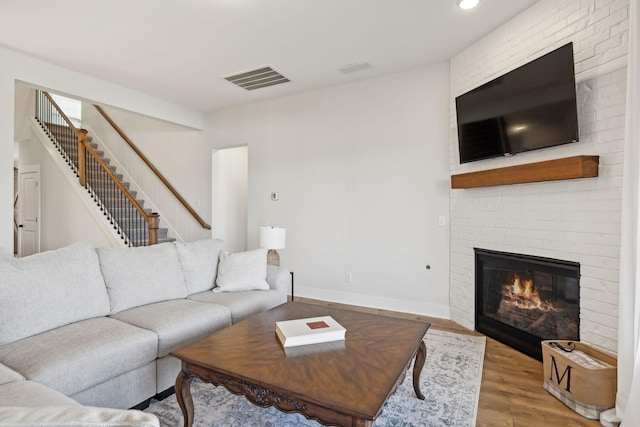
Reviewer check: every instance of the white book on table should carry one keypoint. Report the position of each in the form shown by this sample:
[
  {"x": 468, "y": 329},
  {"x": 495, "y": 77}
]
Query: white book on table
[{"x": 312, "y": 330}]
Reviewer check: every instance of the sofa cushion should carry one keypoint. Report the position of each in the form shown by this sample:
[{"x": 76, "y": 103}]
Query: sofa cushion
[
  {"x": 141, "y": 275},
  {"x": 122, "y": 392},
  {"x": 243, "y": 303},
  {"x": 199, "y": 262},
  {"x": 77, "y": 356},
  {"x": 29, "y": 393},
  {"x": 177, "y": 322},
  {"x": 8, "y": 375},
  {"x": 242, "y": 271},
  {"x": 75, "y": 416},
  {"x": 50, "y": 289}
]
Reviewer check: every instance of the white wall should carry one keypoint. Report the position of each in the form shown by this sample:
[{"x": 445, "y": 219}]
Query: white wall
[
  {"x": 18, "y": 67},
  {"x": 363, "y": 175},
  {"x": 575, "y": 220}
]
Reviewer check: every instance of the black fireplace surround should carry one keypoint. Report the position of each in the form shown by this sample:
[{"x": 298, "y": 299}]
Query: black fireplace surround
[{"x": 522, "y": 299}]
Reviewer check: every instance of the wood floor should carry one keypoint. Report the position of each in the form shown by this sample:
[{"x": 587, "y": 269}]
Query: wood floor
[{"x": 511, "y": 392}]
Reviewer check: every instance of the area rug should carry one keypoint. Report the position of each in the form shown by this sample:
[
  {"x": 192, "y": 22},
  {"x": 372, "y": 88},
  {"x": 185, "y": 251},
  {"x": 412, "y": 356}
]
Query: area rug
[{"x": 450, "y": 382}]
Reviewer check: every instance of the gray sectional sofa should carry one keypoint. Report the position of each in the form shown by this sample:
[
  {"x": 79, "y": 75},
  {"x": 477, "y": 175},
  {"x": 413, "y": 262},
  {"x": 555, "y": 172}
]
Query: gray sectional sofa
[{"x": 95, "y": 326}]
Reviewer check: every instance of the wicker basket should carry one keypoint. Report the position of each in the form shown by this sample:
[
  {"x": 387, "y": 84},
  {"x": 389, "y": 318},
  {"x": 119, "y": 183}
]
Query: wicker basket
[{"x": 583, "y": 379}]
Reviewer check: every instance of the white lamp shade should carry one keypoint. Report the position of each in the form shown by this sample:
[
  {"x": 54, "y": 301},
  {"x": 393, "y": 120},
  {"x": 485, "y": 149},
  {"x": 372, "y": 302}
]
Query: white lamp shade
[{"x": 272, "y": 237}]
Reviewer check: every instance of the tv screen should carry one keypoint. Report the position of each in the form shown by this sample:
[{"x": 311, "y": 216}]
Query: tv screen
[{"x": 531, "y": 107}]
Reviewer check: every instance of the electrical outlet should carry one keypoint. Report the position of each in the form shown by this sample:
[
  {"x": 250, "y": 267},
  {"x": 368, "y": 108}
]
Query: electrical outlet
[{"x": 348, "y": 277}]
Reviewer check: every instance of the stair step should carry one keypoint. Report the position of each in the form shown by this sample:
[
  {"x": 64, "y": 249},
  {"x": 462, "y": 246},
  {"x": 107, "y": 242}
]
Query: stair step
[{"x": 166, "y": 239}]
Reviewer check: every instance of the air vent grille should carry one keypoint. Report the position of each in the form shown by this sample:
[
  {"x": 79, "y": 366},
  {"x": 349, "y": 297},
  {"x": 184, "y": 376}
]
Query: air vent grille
[
  {"x": 353, "y": 68},
  {"x": 262, "y": 77}
]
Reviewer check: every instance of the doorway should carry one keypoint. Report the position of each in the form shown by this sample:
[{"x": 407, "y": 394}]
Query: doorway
[
  {"x": 230, "y": 174},
  {"x": 29, "y": 210}
]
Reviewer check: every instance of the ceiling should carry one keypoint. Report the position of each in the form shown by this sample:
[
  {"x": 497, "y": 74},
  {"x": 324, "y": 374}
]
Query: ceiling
[{"x": 181, "y": 50}]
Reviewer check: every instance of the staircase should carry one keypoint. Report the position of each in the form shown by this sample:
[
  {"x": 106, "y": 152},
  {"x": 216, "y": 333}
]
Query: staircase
[{"x": 116, "y": 206}]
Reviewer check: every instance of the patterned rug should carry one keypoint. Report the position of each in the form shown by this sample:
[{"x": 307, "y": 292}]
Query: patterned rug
[{"x": 450, "y": 382}]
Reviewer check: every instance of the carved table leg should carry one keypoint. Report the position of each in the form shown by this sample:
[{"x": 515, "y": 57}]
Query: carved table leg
[
  {"x": 359, "y": 422},
  {"x": 183, "y": 395},
  {"x": 421, "y": 356}
]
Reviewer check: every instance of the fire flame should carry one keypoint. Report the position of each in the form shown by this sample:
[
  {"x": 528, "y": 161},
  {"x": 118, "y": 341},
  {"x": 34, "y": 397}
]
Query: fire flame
[{"x": 523, "y": 294}]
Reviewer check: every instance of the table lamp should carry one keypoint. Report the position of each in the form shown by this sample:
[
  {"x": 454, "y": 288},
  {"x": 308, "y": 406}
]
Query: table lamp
[{"x": 272, "y": 238}]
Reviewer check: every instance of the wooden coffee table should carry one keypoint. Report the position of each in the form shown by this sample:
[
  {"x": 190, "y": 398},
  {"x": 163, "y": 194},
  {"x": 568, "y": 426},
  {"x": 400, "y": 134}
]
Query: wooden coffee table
[{"x": 344, "y": 383}]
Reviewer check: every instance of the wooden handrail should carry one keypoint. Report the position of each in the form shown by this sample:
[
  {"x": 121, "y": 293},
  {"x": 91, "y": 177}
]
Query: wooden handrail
[
  {"x": 153, "y": 168},
  {"x": 152, "y": 219},
  {"x": 116, "y": 181}
]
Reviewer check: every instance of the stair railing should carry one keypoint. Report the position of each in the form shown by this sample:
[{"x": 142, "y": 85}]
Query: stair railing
[
  {"x": 150, "y": 165},
  {"x": 137, "y": 226}
]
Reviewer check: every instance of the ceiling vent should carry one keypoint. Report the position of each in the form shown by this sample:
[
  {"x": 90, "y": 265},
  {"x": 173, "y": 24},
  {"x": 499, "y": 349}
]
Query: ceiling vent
[
  {"x": 262, "y": 77},
  {"x": 354, "y": 68}
]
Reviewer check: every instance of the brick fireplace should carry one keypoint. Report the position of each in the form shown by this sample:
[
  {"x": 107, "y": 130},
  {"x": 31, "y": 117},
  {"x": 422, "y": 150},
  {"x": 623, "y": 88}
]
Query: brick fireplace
[
  {"x": 576, "y": 220},
  {"x": 522, "y": 299}
]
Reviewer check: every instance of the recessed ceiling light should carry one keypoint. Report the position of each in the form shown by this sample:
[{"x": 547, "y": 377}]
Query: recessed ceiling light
[{"x": 467, "y": 4}]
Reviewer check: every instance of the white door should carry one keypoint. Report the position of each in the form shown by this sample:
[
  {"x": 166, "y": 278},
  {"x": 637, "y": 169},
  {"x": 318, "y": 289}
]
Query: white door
[{"x": 29, "y": 202}]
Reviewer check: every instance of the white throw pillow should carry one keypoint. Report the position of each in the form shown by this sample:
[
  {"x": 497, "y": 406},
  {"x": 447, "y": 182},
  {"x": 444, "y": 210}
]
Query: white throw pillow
[
  {"x": 141, "y": 275},
  {"x": 242, "y": 271},
  {"x": 199, "y": 262},
  {"x": 50, "y": 289}
]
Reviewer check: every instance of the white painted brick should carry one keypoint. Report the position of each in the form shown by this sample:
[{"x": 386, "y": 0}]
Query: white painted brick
[
  {"x": 576, "y": 220},
  {"x": 622, "y": 27},
  {"x": 618, "y": 4},
  {"x": 579, "y": 15},
  {"x": 613, "y": 19}
]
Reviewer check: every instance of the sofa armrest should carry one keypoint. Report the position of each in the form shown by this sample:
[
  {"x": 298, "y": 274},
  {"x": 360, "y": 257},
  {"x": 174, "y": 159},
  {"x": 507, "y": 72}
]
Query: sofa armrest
[
  {"x": 279, "y": 279},
  {"x": 74, "y": 416}
]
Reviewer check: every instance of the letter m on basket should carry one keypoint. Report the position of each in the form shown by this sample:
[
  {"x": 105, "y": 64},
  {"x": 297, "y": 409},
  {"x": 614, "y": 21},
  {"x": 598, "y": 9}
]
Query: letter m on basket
[{"x": 553, "y": 369}]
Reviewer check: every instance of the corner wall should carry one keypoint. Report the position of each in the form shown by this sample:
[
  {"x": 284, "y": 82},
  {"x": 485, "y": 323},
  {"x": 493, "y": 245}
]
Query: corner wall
[
  {"x": 576, "y": 220},
  {"x": 362, "y": 174}
]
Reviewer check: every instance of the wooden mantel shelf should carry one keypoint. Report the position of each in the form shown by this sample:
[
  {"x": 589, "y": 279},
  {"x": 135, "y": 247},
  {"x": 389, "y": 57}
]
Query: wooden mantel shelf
[{"x": 550, "y": 170}]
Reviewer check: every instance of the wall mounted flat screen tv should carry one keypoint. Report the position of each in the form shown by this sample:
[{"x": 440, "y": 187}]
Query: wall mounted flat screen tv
[{"x": 531, "y": 107}]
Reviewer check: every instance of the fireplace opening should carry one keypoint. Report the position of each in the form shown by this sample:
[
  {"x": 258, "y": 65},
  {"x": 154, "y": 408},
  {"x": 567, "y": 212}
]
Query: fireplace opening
[{"x": 523, "y": 299}]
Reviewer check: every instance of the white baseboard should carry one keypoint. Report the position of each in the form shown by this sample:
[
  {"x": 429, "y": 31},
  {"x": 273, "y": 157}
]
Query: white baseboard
[{"x": 415, "y": 307}]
